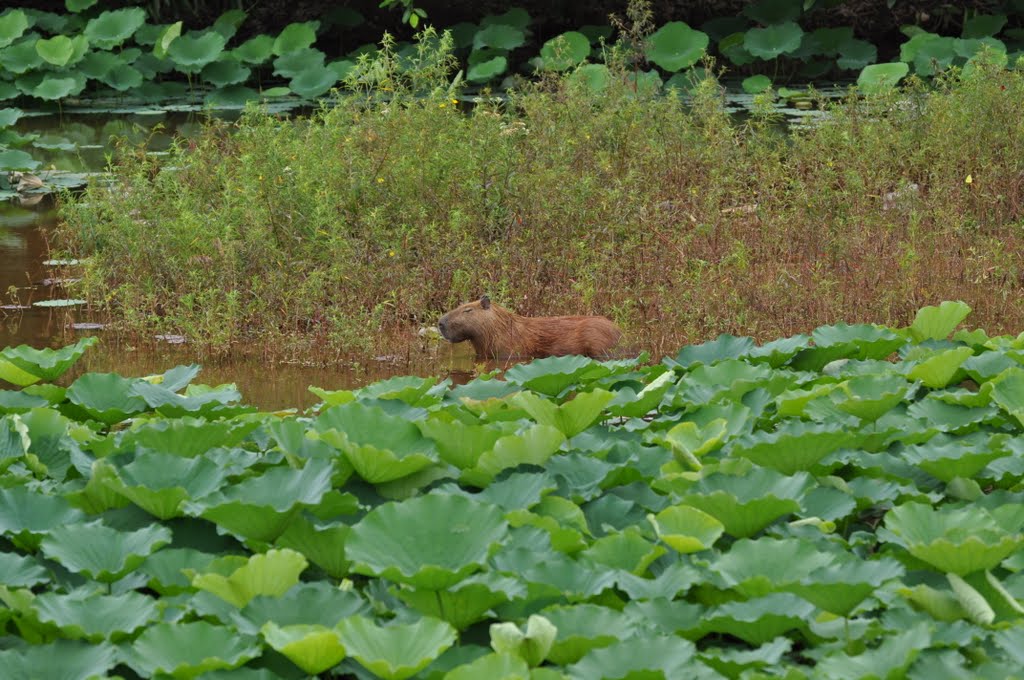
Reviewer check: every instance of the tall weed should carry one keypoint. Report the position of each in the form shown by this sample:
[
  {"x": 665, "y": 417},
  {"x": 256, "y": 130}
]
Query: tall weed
[{"x": 342, "y": 233}]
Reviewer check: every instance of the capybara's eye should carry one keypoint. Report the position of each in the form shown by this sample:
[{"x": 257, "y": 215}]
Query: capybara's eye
[{"x": 467, "y": 311}]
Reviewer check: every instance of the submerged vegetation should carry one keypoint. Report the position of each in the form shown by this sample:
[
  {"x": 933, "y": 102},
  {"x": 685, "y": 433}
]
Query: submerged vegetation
[
  {"x": 803, "y": 508},
  {"x": 349, "y": 230}
]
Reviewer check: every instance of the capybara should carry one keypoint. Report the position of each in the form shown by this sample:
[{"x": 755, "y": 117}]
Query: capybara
[{"x": 496, "y": 332}]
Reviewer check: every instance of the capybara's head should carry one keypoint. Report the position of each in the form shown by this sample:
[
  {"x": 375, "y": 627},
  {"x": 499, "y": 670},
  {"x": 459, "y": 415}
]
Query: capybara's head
[{"x": 467, "y": 321}]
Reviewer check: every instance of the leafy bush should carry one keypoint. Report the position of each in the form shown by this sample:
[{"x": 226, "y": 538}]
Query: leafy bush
[
  {"x": 339, "y": 232},
  {"x": 802, "y": 504}
]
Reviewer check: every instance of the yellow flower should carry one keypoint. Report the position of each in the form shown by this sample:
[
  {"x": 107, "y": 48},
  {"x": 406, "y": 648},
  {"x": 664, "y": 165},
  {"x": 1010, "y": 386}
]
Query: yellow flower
[
  {"x": 968, "y": 180},
  {"x": 455, "y": 101},
  {"x": 391, "y": 253},
  {"x": 380, "y": 180},
  {"x": 441, "y": 106}
]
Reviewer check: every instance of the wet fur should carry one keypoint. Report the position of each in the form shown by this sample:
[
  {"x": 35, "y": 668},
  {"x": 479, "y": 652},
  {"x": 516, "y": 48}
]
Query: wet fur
[{"x": 496, "y": 332}]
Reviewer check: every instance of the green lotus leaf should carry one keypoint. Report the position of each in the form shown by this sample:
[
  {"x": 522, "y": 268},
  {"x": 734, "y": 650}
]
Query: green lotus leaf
[
  {"x": 575, "y": 580},
  {"x": 987, "y": 365},
  {"x": 164, "y": 40},
  {"x": 1008, "y": 392},
  {"x": 723, "y": 347},
  {"x": 584, "y": 627},
  {"x": 492, "y": 666},
  {"x": 58, "y": 660},
  {"x": 595, "y": 77},
  {"x": 676, "y": 46},
  {"x": 123, "y": 78},
  {"x": 869, "y": 397},
  {"x": 629, "y": 402},
  {"x": 14, "y": 440},
  {"x": 261, "y": 508},
  {"x": 756, "y": 84},
  {"x": 112, "y": 28},
  {"x": 532, "y": 445},
  {"x": 755, "y": 568},
  {"x": 793, "y": 446},
  {"x": 689, "y": 442},
  {"x": 499, "y": 36},
  {"x": 483, "y": 71},
  {"x": 187, "y": 650},
  {"x": 655, "y": 656},
  {"x": 460, "y": 444},
  {"x": 24, "y": 365},
  {"x": 9, "y": 117},
  {"x": 846, "y": 341},
  {"x": 313, "y": 82},
  {"x": 553, "y": 375},
  {"x": 561, "y": 518},
  {"x": 270, "y": 573},
  {"x": 948, "y": 416},
  {"x": 197, "y": 400},
  {"x": 759, "y": 620},
  {"x": 381, "y": 447},
  {"x": 892, "y": 658},
  {"x": 25, "y": 512},
  {"x": 231, "y": 96},
  {"x": 793, "y": 402},
  {"x": 106, "y": 397},
  {"x": 322, "y": 544},
  {"x": 936, "y": 323},
  {"x": 192, "y": 52},
  {"x": 22, "y": 58},
  {"x": 313, "y": 648},
  {"x": 564, "y": 51},
  {"x": 186, "y": 437},
  {"x": 225, "y": 71},
  {"x": 21, "y": 571},
  {"x": 98, "y": 64},
  {"x": 314, "y": 603},
  {"x": 295, "y": 37},
  {"x": 733, "y": 662},
  {"x": 839, "y": 588},
  {"x": 227, "y": 23},
  {"x": 161, "y": 483},
  {"x": 12, "y": 26},
  {"x": 12, "y": 159},
  {"x": 570, "y": 418},
  {"x": 938, "y": 370},
  {"x": 748, "y": 503},
  {"x": 934, "y": 56},
  {"x": 467, "y": 602},
  {"x": 517, "y": 16},
  {"x": 294, "y": 64},
  {"x": 95, "y": 616},
  {"x": 430, "y": 542},
  {"x": 673, "y": 580},
  {"x": 879, "y": 77},
  {"x": 774, "y": 40},
  {"x": 57, "y": 50},
  {"x": 255, "y": 50},
  {"x": 686, "y": 529},
  {"x": 946, "y": 458},
  {"x": 165, "y": 569},
  {"x": 953, "y": 540},
  {"x": 627, "y": 550},
  {"x": 729, "y": 378},
  {"x": 397, "y": 651},
  {"x": 855, "y": 54},
  {"x": 52, "y": 449},
  {"x": 101, "y": 552}
]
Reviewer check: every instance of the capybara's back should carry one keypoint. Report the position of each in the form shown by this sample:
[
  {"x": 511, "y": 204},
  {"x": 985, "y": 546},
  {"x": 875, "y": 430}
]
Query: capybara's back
[{"x": 496, "y": 332}]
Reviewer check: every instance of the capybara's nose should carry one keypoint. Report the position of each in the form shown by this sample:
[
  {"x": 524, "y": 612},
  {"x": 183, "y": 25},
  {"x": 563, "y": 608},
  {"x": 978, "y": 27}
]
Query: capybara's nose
[{"x": 442, "y": 326}]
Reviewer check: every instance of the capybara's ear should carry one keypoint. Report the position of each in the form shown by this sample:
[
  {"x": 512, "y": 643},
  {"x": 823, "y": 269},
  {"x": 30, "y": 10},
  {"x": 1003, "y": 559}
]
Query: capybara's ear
[{"x": 485, "y": 302}]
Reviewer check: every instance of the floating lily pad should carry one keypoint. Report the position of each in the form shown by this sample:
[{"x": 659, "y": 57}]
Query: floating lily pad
[{"x": 676, "y": 46}]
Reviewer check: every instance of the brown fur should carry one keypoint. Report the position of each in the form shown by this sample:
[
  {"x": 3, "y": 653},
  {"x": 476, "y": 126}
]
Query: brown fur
[{"x": 497, "y": 332}]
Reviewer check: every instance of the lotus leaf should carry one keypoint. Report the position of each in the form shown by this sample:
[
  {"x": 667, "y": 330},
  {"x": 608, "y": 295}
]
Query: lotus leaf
[
  {"x": 774, "y": 40},
  {"x": 25, "y": 512},
  {"x": 21, "y": 571},
  {"x": 52, "y": 449},
  {"x": 22, "y": 58},
  {"x": 746, "y": 504},
  {"x": 499, "y": 36},
  {"x": 1008, "y": 392},
  {"x": 891, "y": 659},
  {"x": 630, "y": 402},
  {"x": 570, "y": 418},
  {"x": 96, "y": 617},
  {"x": 12, "y": 401},
  {"x": 313, "y": 648},
  {"x": 869, "y": 397},
  {"x": 316, "y": 603},
  {"x": 493, "y": 666},
  {"x": 106, "y": 397},
  {"x": 460, "y": 444},
  {"x": 756, "y": 84},
  {"x": 225, "y": 71},
  {"x": 627, "y": 550},
  {"x": 187, "y": 650},
  {"x": 197, "y": 400},
  {"x": 293, "y": 37},
  {"x": 733, "y": 662},
  {"x": 947, "y": 458},
  {"x": 565, "y": 51},
  {"x": 532, "y": 445},
  {"x": 689, "y": 442},
  {"x": 953, "y": 540},
  {"x": 553, "y": 375},
  {"x": 431, "y": 542},
  {"x": 24, "y": 365},
  {"x": 676, "y": 46},
  {"x": 879, "y": 77},
  {"x": 397, "y": 651},
  {"x": 255, "y": 50},
  {"x": 57, "y": 50},
  {"x": 12, "y": 159},
  {"x": 12, "y": 26},
  {"x": 161, "y": 483},
  {"x": 186, "y": 437},
  {"x": 856, "y": 54},
  {"x": 323, "y": 545},
  {"x": 192, "y": 52},
  {"x": 595, "y": 77},
  {"x": 467, "y": 602},
  {"x": 165, "y": 569},
  {"x": 673, "y": 580},
  {"x": 58, "y": 660},
  {"x": 936, "y": 323},
  {"x": 294, "y": 64},
  {"x": 14, "y": 440},
  {"x": 723, "y": 347},
  {"x": 112, "y": 28},
  {"x": 759, "y": 620},
  {"x": 686, "y": 529},
  {"x": 270, "y": 573},
  {"x": 793, "y": 446},
  {"x": 575, "y": 580},
  {"x": 653, "y": 656},
  {"x": 313, "y": 82},
  {"x": 101, "y": 552}
]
